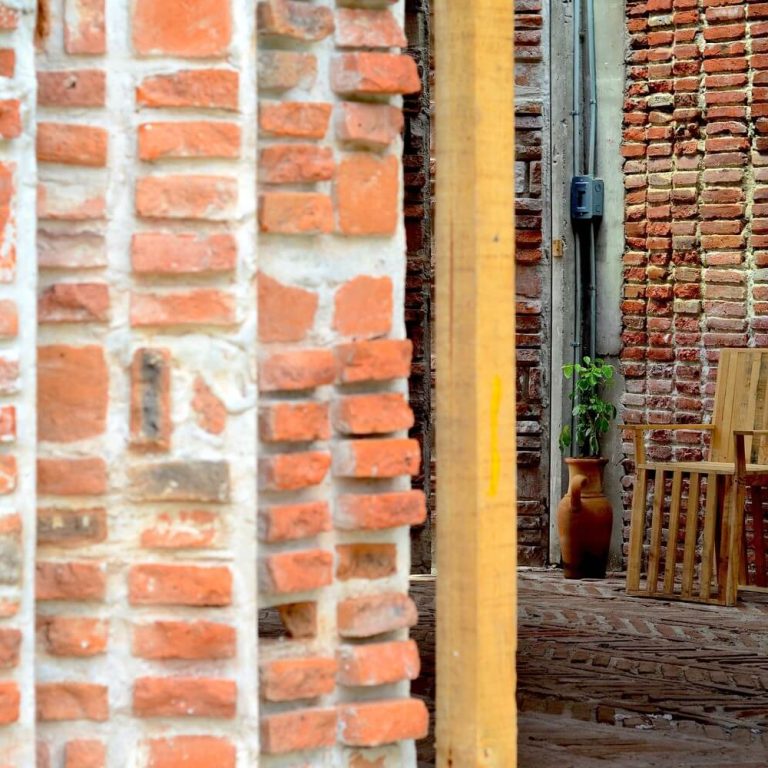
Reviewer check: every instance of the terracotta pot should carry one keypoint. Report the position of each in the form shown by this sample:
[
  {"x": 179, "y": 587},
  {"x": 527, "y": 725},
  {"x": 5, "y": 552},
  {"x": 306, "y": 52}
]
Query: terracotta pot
[{"x": 585, "y": 520}]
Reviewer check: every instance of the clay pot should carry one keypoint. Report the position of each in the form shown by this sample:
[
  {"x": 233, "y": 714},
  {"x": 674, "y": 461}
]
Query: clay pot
[{"x": 585, "y": 520}]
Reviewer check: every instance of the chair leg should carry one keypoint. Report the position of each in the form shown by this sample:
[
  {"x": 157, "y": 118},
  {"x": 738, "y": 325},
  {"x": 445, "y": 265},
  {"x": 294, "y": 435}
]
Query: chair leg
[
  {"x": 736, "y": 512},
  {"x": 637, "y": 530}
]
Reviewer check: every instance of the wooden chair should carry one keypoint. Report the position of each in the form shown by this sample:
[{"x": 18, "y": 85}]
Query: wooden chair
[{"x": 714, "y": 553}]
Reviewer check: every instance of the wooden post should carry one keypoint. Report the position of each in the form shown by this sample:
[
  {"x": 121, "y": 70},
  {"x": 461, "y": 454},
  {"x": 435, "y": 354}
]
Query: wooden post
[{"x": 476, "y": 477}]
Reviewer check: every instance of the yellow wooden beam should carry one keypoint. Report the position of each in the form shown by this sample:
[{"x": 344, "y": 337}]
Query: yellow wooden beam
[{"x": 476, "y": 519}]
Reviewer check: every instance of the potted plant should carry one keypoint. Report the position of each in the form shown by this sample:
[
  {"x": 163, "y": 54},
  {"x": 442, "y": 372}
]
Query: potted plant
[{"x": 584, "y": 515}]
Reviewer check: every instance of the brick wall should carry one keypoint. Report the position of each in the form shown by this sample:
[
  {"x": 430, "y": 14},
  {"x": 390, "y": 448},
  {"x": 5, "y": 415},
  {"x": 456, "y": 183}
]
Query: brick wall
[
  {"x": 222, "y": 368},
  {"x": 695, "y": 149}
]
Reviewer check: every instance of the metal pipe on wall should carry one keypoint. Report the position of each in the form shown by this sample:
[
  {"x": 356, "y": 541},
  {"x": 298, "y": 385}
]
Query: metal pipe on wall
[{"x": 592, "y": 171}]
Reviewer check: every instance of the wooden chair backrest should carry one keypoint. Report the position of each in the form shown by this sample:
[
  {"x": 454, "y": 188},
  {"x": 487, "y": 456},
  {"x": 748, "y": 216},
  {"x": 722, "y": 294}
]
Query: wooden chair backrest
[{"x": 741, "y": 402}]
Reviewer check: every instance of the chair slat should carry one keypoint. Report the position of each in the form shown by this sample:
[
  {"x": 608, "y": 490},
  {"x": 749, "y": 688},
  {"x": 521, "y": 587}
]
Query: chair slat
[
  {"x": 691, "y": 533},
  {"x": 674, "y": 528},
  {"x": 637, "y": 529},
  {"x": 708, "y": 549},
  {"x": 654, "y": 553}
]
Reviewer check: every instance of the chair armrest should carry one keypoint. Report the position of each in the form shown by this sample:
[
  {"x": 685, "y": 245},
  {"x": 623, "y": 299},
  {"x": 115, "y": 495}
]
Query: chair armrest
[
  {"x": 652, "y": 427},
  {"x": 750, "y": 432}
]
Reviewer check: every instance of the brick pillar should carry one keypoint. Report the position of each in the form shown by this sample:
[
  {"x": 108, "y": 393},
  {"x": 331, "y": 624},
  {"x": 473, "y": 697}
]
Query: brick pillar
[{"x": 17, "y": 383}]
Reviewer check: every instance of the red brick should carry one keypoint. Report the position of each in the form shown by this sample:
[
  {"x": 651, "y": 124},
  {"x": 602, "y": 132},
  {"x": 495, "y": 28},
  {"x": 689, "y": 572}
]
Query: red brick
[
  {"x": 189, "y": 480},
  {"x": 66, "y": 528},
  {"x": 9, "y": 319},
  {"x": 184, "y": 697},
  {"x": 294, "y": 422},
  {"x": 293, "y": 471},
  {"x": 293, "y": 679},
  {"x": 72, "y": 144},
  {"x": 163, "y": 640},
  {"x": 10, "y": 118},
  {"x": 372, "y": 126},
  {"x": 70, "y": 581},
  {"x": 72, "y": 701},
  {"x": 191, "y": 752},
  {"x": 8, "y": 474},
  {"x": 192, "y": 89},
  {"x": 175, "y": 584},
  {"x": 83, "y": 753},
  {"x": 159, "y": 141},
  {"x": 10, "y": 645},
  {"x": 370, "y": 615},
  {"x": 9, "y": 376},
  {"x": 362, "y": 28},
  {"x": 188, "y": 28},
  {"x": 295, "y": 20},
  {"x": 283, "y": 70},
  {"x": 296, "y": 120},
  {"x": 9, "y": 17},
  {"x": 294, "y": 521},
  {"x": 73, "y": 636},
  {"x": 372, "y": 414},
  {"x": 7, "y": 62},
  {"x": 209, "y": 198},
  {"x": 302, "y": 571},
  {"x": 72, "y": 88},
  {"x": 74, "y": 303},
  {"x": 298, "y": 730},
  {"x": 162, "y": 253},
  {"x": 151, "y": 423},
  {"x": 298, "y": 370},
  {"x": 84, "y": 27},
  {"x": 7, "y": 424},
  {"x": 365, "y": 561},
  {"x": 373, "y": 361},
  {"x": 72, "y": 393},
  {"x": 72, "y": 477},
  {"x": 210, "y": 411},
  {"x": 374, "y": 73},
  {"x": 295, "y": 213},
  {"x": 363, "y": 307},
  {"x": 377, "y": 458},
  {"x": 286, "y": 312},
  {"x": 202, "y": 306},
  {"x": 10, "y": 701},
  {"x": 75, "y": 250},
  {"x": 378, "y": 663},
  {"x": 367, "y": 194},
  {"x": 373, "y": 723},
  {"x": 295, "y": 164},
  {"x": 185, "y": 530}
]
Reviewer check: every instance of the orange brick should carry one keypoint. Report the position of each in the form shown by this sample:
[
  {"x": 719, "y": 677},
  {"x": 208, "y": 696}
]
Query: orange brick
[
  {"x": 295, "y": 164},
  {"x": 377, "y": 458},
  {"x": 84, "y": 27},
  {"x": 72, "y": 144},
  {"x": 295, "y": 213},
  {"x": 10, "y": 644},
  {"x": 367, "y": 194},
  {"x": 163, "y": 640},
  {"x": 10, "y": 118},
  {"x": 365, "y": 561},
  {"x": 72, "y": 477},
  {"x": 294, "y": 422},
  {"x": 151, "y": 423},
  {"x": 72, "y": 701},
  {"x": 8, "y": 474},
  {"x": 189, "y": 28},
  {"x": 179, "y": 585},
  {"x": 158, "y": 141},
  {"x": 303, "y": 571},
  {"x": 283, "y": 70},
  {"x": 374, "y": 73},
  {"x": 210, "y": 198},
  {"x": 286, "y": 312},
  {"x": 210, "y": 411},
  {"x": 60, "y": 201},
  {"x": 297, "y": 120},
  {"x": 9, "y": 376},
  {"x": 72, "y": 88},
  {"x": 10, "y": 700},
  {"x": 191, "y": 752},
  {"x": 9, "y": 319},
  {"x": 297, "y": 370},
  {"x": 184, "y": 697},
  {"x": 378, "y": 663},
  {"x": 295, "y": 20},
  {"x": 74, "y": 303},
  {"x": 162, "y": 253},
  {"x": 299, "y": 619},
  {"x": 73, "y": 636},
  {"x": 293, "y": 679},
  {"x": 7, "y": 62},
  {"x": 363, "y": 307},
  {"x": 83, "y": 753},
  {"x": 373, "y": 723},
  {"x": 183, "y": 530},
  {"x": 68, "y": 527},
  {"x": 75, "y": 250},
  {"x": 370, "y": 615},
  {"x": 298, "y": 730},
  {"x": 372, "y": 414},
  {"x": 203, "y": 306},
  {"x": 70, "y": 581},
  {"x": 294, "y": 521},
  {"x": 72, "y": 392},
  {"x": 191, "y": 89},
  {"x": 379, "y": 360},
  {"x": 363, "y": 28},
  {"x": 373, "y": 126},
  {"x": 9, "y": 17},
  {"x": 293, "y": 471}
]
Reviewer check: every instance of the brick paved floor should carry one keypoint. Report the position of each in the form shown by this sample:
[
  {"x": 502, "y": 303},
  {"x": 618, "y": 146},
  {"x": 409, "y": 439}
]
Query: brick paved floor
[{"x": 606, "y": 679}]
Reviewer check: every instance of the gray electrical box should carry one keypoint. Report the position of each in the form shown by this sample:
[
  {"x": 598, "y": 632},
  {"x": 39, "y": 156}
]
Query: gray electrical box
[{"x": 587, "y": 198}]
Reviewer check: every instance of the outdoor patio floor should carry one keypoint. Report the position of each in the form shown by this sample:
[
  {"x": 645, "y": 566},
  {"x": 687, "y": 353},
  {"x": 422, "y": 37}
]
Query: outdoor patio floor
[{"x": 604, "y": 679}]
